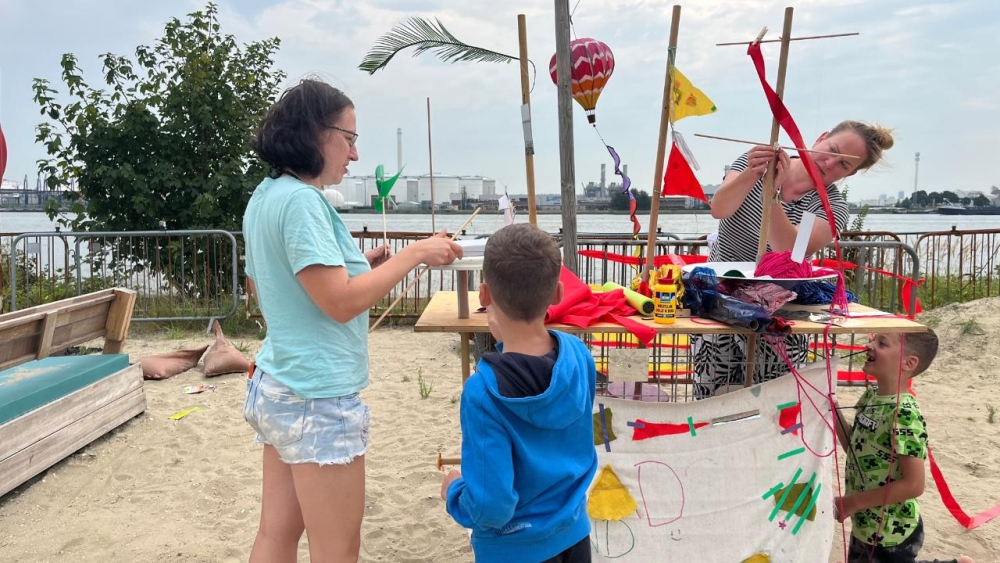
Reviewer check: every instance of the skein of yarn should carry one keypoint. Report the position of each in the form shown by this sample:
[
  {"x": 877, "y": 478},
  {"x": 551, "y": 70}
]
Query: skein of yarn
[{"x": 781, "y": 265}]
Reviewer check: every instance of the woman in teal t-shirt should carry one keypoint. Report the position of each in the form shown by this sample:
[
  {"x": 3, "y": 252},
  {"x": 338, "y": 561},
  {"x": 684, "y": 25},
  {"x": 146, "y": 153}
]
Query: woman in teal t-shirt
[{"x": 315, "y": 288}]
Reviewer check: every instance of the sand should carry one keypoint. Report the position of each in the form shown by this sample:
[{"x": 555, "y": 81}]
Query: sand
[{"x": 158, "y": 490}]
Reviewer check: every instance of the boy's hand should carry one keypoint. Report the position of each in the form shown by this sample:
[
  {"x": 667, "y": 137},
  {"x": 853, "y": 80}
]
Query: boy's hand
[
  {"x": 843, "y": 508},
  {"x": 451, "y": 476}
]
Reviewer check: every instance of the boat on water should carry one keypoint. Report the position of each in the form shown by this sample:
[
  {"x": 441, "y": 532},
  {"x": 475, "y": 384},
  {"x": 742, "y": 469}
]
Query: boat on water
[{"x": 964, "y": 210}]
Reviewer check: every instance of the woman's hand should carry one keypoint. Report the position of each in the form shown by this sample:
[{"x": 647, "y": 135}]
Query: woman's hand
[
  {"x": 438, "y": 250},
  {"x": 378, "y": 256},
  {"x": 758, "y": 159}
]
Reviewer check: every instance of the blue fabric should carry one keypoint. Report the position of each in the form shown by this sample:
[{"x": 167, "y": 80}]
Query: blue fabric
[
  {"x": 818, "y": 293},
  {"x": 289, "y": 225},
  {"x": 527, "y": 463},
  {"x": 28, "y": 386}
]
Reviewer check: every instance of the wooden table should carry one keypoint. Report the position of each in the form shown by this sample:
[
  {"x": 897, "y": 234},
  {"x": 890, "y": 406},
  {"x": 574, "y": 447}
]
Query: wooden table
[{"x": 441, "y": 315}]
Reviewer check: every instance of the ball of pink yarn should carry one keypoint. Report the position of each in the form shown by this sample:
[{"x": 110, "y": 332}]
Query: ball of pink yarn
[{"x": 780, "y": 265}]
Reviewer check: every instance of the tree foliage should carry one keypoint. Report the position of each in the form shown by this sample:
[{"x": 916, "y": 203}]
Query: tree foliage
[
  {"x": 619, "y": 201},
  {"x": 168, "y": 142}
]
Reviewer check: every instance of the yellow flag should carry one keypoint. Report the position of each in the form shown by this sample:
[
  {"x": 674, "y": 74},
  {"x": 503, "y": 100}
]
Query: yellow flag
[{"x": 686, "y": 100}]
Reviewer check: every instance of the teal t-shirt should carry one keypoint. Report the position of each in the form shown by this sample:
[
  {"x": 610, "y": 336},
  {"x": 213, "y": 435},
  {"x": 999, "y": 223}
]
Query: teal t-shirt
[
  {"x": 289, "y": 225},
  {"x": 877, "y": 439}
]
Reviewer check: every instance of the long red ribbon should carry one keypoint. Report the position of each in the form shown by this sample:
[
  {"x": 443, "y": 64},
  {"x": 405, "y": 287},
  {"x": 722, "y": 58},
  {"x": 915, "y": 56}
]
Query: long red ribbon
[
  {"x": 784, "y": 119},
  {"x": 963, "y": 518}
]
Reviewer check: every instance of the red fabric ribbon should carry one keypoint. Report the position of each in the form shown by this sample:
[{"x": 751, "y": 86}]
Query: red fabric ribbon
[
  {"x": 963, "y": 518},
  {"x": 784, "y": 119},
  {"x": 581, "y": 307},
  {"x": 674, "y": 259}
]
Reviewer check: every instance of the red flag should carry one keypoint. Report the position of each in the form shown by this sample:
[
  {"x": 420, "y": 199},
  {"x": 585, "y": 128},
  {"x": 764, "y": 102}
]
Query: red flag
[
  {"x": 3, "y": 154},
  {"x": 679, "y": 179}
]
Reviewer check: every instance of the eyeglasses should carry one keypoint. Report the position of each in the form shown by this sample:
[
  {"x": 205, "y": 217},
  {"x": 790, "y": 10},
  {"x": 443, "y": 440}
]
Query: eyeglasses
[{"x": 354, "y": 135}]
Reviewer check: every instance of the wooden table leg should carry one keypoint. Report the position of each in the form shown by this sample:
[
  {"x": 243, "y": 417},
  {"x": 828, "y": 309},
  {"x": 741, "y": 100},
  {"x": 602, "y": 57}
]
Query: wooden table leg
[
  {"x": 463, "y": 294},
  {"x": 466, "y": 364}
]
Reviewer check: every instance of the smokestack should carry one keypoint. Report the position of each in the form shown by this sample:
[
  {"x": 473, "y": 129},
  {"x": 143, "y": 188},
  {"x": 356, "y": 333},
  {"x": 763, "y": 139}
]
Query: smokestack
[
  {"x": 602, "y": 176},
  {"x": 625, "y": 169},
  {"x": 399, "y": 149}
]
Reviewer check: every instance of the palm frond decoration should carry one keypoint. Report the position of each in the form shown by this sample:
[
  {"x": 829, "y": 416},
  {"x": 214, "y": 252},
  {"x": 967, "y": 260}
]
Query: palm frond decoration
[{"x": 425, "y": 35}]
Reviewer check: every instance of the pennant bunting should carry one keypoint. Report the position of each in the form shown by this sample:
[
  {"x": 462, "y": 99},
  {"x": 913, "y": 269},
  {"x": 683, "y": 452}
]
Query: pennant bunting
[
  {"x": 679, "y": 179},
  {"x": 685, "y": 99}
]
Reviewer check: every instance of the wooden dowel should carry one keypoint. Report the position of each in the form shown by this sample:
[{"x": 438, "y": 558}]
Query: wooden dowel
[
  {"x": 430, "y": 165},
  {"x": 529, "y": 156},
  {"x": 783, "y": 147},
  {"x": 661, "y": 147},
  {"x": 420, "y": 274},
  {"x": 767, "y": 195},
  {"x": 442, "y": 461},
  {"x": 806, "y": 38}
]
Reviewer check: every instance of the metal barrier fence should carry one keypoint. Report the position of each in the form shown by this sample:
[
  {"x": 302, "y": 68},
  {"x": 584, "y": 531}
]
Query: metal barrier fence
[
  {"x": 189, "y": 275},
  {"x": 179, "y": 275}
]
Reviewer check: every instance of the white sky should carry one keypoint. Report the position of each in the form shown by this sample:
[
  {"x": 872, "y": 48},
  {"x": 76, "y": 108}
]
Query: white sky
[{"x": 929, "y": 70}]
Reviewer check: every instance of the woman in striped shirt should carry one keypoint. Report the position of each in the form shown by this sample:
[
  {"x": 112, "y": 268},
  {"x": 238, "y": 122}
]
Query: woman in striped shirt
[{"x": 720, "y": 360}]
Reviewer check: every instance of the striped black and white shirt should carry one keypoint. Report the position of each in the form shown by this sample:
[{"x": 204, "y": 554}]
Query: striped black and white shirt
[{"x": 739, "y": 233}]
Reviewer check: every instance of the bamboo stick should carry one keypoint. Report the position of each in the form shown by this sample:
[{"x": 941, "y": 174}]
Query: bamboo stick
[
  {"x": 430, "y": 164},
  {"x": 661, "y": 147},
  {"x": 813, "y": 151},
  {"x": 420, "y": 274},
  {"x": 768, "y": 192},
  {"x": 808, "y": 37},
  {"x": 529, "y": 152}
]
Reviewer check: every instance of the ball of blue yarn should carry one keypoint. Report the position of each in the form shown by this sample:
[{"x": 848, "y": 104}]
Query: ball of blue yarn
[{"x": 818, "y": 293}]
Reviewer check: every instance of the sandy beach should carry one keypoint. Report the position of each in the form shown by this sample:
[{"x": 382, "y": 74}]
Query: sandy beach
[{"x": 158, "y": 490}]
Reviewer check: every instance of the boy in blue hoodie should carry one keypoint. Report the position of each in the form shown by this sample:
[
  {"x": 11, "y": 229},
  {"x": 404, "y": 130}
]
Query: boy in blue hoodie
[{"x": 528, "y": 454}]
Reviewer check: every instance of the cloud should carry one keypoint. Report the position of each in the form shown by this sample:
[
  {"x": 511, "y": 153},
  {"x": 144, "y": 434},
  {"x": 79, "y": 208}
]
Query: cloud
[{"x": 927, "y": 69}]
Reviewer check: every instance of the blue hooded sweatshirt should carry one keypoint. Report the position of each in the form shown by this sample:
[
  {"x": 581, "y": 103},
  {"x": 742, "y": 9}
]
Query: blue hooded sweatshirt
[{"x": 528, "y": 453}]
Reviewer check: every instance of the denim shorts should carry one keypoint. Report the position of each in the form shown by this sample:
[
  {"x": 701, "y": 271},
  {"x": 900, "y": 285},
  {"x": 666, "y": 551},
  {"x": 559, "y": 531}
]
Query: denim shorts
[{"x": 323, "y": 431}]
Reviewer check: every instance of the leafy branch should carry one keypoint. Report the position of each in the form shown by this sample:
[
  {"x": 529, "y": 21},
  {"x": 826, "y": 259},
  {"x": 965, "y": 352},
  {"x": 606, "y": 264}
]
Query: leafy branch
[{"x": 425, "y": 35}]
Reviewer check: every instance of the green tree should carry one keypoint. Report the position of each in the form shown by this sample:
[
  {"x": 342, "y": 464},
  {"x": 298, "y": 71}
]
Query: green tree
[
  {"x": 170, "y": 139},
  {"x": 166, "y": 145},
  {"x": 619, "y": 201},
  {"x": 981, "y": 201}
]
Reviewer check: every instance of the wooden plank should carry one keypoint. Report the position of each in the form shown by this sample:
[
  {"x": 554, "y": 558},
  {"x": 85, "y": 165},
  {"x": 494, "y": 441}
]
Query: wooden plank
[
  {"x": 48, "y": 329},
  {"x": 441, "y": 315},
  {"x": 17, "y": 352},
  {"x": 55, "y": 447},
  {"x": 72, "y": 303},
  {"x": 17, "y": 434},
  {"x": 119, "y": 319}
]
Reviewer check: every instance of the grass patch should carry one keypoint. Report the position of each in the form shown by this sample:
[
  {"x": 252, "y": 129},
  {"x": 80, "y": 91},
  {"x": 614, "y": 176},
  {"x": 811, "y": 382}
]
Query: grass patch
[
  {"x": 970, "y": 327},
  {"x": 425, "y": 386}
]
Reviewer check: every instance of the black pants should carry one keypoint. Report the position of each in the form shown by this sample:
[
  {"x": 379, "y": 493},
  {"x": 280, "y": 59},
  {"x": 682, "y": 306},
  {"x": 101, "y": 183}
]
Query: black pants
[
  {"x": 577, "y": 553},
  {"x": 906, "y": 552}
]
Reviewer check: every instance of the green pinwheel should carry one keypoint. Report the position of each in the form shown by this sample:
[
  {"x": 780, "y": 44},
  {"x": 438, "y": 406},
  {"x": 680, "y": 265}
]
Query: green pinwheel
[{"x": 384, "y": 187}]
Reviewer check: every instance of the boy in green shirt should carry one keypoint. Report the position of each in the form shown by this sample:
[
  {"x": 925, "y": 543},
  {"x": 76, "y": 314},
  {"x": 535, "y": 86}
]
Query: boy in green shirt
[{"x": 886, "y": 450}]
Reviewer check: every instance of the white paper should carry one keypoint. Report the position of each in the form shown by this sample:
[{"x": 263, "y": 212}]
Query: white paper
[
  {"x": 529, "y": 143},
  {"x": 628, "y": 364},
  {"x": 503, "y": 202},
  {"x": 685, "y": 150},
  {"x": 472, "y": 247},
  {"x": 802, "y": 239}
]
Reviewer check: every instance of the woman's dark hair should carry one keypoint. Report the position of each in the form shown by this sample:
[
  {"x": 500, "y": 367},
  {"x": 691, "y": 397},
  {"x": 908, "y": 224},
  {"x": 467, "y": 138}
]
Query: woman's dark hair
[{"x": 290, "y": 136}]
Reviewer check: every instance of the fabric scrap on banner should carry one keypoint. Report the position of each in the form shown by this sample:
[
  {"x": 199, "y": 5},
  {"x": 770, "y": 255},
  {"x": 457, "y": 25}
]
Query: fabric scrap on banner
[{"x": 609, "y": 499}]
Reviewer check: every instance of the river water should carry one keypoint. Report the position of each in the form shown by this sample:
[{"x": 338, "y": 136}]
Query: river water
[{"x": 685, "y": 225}]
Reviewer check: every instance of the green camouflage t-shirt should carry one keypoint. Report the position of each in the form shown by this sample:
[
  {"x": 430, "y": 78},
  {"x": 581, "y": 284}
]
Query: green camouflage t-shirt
[{"x": 872, "y": 447}]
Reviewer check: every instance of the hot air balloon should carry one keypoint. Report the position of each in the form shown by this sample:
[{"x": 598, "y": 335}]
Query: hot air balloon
[{"x": 592, "y": 62}]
